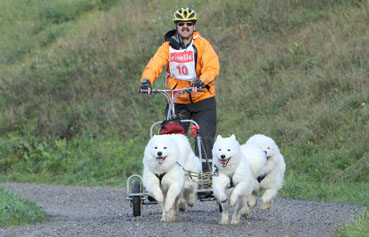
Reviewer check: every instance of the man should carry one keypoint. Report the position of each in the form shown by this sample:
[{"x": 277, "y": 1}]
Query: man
[{"x": 191, "y": 62}]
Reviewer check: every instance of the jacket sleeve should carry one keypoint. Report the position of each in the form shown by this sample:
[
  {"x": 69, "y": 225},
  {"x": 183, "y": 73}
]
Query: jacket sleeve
[
  {"x": 156, "y": 63},
  {"x": 210, "y": 63}
]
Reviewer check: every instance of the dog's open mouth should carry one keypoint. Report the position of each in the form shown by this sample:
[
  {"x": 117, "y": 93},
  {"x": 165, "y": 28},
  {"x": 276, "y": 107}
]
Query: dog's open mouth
[
  {"x": 224, "y": 162},
  {"x": 268, "y": 157},
  {"x": 160, "y": 159}
]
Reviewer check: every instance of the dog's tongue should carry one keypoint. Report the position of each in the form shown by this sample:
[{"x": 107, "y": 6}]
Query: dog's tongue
[
  {"x": 223, "y": 162},
  {"x": 160, "y": 159}
]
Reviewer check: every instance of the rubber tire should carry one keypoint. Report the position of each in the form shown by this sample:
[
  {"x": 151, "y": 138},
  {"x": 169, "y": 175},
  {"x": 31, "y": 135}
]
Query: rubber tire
[{"x": 136, "y": 200}]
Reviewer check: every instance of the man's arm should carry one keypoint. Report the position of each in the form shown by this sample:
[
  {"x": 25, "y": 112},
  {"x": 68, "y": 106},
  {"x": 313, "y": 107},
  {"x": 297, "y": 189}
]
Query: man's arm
[
  {"x": 156, "y": 64},
  {"x": 210, "y": 62}
]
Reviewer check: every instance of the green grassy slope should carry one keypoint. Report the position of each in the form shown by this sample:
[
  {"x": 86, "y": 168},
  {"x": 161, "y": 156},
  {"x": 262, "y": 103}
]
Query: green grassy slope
[
  {"x": 294, "y": 70},
  {"x": 16, "y": 211}
]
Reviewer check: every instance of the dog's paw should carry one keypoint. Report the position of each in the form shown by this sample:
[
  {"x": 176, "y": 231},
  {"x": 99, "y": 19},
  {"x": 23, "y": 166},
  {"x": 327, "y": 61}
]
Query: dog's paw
[
  {"x": 233, "y": 201},
  {"x": 222, "y": 197},
  {"x": 168, "y": 219},
  {"x": 169, "y": 216},
  {"x": 182, "y": 206},
  {"x": 164, "y": 219},
  {"x": 266, "y": 205},
  {"x": 191, "y": 200},
  {"x": 252, "y": 201},
  {"x": 245, "y": 211},
  {"x": 235, "y": 221},
  {"x": 223, "y": 222},
  {"x": 159, "y": 198},
  {"x": 224, "y": 200}
]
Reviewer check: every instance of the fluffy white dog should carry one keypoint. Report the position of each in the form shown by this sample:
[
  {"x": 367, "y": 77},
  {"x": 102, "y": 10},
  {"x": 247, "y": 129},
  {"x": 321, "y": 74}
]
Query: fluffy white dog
[
  {"x": 232, "y": 180},
  {"x": 270, "y": 178},
  {"x": 165, "y": 158}
]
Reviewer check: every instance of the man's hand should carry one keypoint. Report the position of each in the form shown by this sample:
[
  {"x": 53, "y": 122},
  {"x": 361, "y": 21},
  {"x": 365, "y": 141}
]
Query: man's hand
[
  {"x": 197, "y": 85},
  {"x": 145, "y": 87}
]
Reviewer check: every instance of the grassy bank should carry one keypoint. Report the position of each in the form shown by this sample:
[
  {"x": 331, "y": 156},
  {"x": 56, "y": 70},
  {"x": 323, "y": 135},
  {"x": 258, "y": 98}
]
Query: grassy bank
[
  {"x": 16, "y": 211},
  {"x": 359, "y": 228}
]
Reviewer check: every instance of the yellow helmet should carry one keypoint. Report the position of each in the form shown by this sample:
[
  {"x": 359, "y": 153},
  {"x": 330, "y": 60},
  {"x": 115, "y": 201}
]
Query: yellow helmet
[{"x": 185, "y": 14}]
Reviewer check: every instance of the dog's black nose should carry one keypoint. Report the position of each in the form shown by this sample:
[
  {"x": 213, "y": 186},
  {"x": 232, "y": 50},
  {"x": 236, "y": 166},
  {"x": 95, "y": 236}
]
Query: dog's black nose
[
  {"x": 265, "y": 152},
  {"x": 160, "y": 153},
  {"x": 222, "y": 156}
]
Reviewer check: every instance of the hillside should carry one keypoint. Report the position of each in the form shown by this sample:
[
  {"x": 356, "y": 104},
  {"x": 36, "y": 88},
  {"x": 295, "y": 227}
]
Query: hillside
[{"x": 297, "y": 71}]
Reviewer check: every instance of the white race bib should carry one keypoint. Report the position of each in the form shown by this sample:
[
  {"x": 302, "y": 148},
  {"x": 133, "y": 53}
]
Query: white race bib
[{"x": 182, "y": 63}]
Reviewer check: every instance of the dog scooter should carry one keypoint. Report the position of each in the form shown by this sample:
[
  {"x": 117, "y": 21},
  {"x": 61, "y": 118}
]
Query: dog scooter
[{"x": 137, "y": 194}]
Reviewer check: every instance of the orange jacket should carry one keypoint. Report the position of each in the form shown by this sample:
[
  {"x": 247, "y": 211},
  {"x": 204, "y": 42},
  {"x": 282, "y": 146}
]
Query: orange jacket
[{"x": 207, "y": 69}]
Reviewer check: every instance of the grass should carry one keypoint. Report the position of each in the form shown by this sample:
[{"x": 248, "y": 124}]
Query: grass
[
  {"x": 294, "y": 70},
  {"x": 62, "y": 162},
  {"x": 358, "y": 229},
  {"x": 16, "y": 211}
]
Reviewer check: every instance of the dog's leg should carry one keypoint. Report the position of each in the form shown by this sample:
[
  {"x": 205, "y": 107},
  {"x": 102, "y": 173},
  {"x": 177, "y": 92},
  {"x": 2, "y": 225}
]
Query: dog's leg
[
  {"x": 174, "y": 210},
  {"x": 225, "y": 213},
  {"x": 182, "y": 201},
  {"x": 253, "y": 198},
  {"x": 171, "y": 199},
  {"x": 245, "y": 208},
  {"x": 152, "y": 185},
  {"x": 267, "y": 199},
  {"x": 191, "y": 196},
  {"x": 239, "y": 208},
  {"x": 239, "y": 190},
  {"x": 219, "y": 188},
  {"x": 164, "y": 217}
]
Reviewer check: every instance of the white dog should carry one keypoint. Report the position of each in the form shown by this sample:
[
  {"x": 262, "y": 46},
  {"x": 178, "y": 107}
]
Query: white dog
[
  {"x": 165, "y": 158},
  {"x": 163, "y": 177},
  {"x": 271, "y": 177},
  {"x": 232, "y": 180}
]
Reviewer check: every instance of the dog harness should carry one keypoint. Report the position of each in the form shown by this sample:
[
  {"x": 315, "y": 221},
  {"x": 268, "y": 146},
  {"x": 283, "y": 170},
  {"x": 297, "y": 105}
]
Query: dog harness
[
  {"x": 231, "y": 184},
  {"x": 160, "y": 176},
  {"x": 216, "y": 173},
  {"x": 260, "y": 178}
]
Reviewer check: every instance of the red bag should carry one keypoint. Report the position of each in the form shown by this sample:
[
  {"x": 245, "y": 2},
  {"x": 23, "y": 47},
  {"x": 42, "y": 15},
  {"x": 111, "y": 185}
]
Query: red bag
[{"x": 171, "y": 127}]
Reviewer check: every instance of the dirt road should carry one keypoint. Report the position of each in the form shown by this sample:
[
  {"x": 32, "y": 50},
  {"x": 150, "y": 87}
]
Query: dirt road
[{"x": 100, "y": 211}]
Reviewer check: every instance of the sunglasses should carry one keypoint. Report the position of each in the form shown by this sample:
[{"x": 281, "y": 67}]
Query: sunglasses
[{"x": 185, "y": 23}]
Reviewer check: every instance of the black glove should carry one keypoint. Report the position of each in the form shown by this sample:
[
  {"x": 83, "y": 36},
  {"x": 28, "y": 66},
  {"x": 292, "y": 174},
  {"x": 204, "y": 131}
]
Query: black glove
[
  {"x": 198, "y": 84},
  {"x": 145, "y": 87}
]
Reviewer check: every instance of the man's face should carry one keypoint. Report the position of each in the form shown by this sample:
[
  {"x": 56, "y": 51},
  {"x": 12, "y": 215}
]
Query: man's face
[{"x": 185, "y": 29}]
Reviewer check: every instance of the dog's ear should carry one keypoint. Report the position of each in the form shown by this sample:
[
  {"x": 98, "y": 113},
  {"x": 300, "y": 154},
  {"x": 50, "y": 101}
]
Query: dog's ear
[
  {"x": 219, "y": 136},
  {"x": 233, "y": 136}
]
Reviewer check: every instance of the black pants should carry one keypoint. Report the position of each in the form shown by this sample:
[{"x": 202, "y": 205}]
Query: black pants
[{"x": 203, "y": 113}]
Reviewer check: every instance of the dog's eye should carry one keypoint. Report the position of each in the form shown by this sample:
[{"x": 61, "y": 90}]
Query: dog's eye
[
  {"x": 220, "y": 149},
  {"x": 268, "y": 148},
  {"x": 156, "y": 147},
  {"x": 229, "y": 150},
  {"x": 165, "y": 147}
]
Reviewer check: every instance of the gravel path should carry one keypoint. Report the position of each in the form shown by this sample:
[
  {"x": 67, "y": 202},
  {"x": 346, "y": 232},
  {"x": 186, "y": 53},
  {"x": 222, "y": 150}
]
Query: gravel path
[{"x": 101, "y": 211}]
